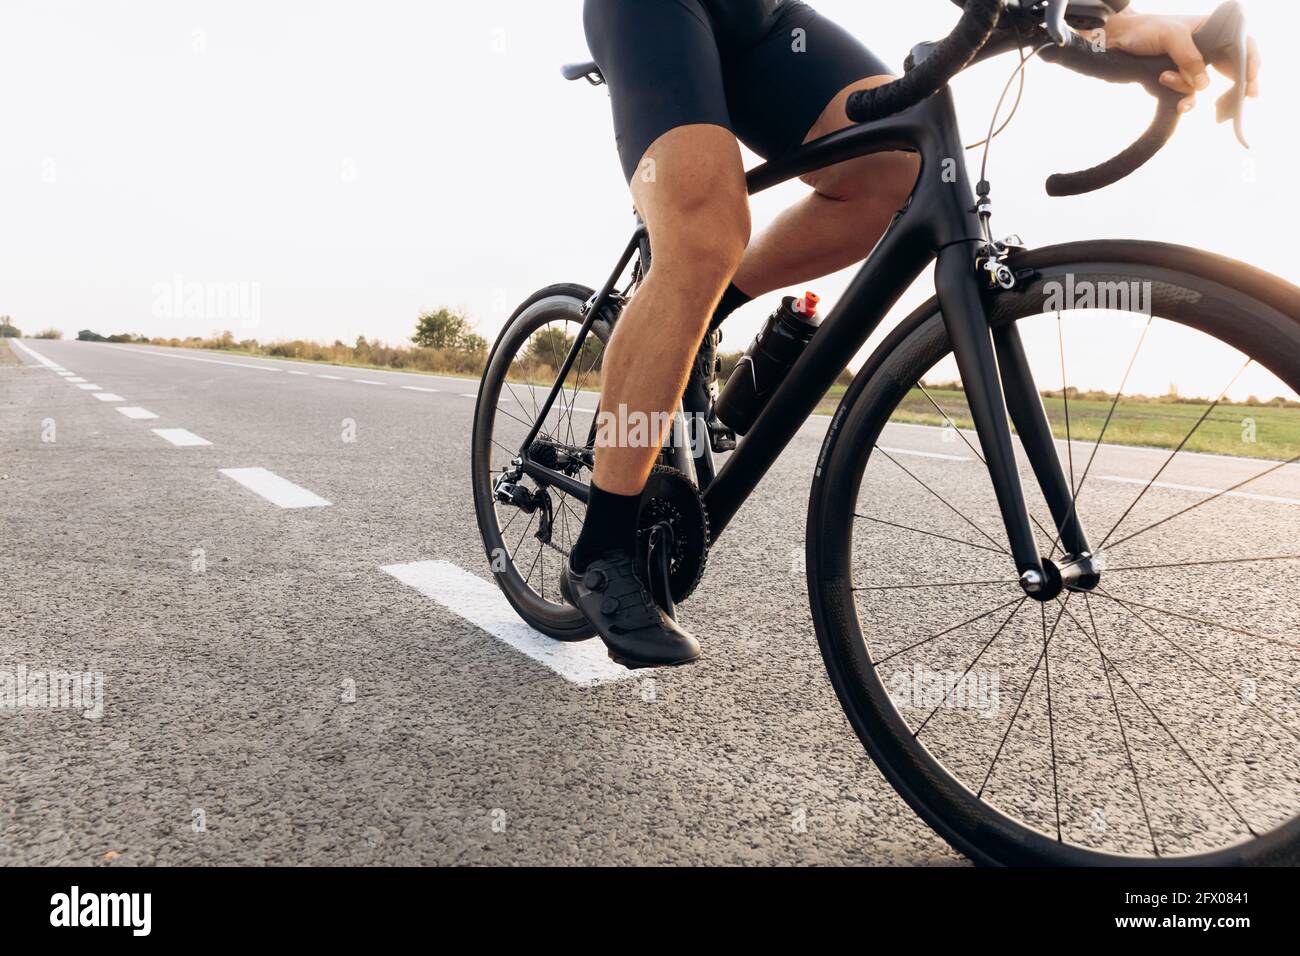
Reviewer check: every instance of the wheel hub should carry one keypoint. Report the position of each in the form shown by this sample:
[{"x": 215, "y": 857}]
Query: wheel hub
[{"x": 1078, "y": 573}]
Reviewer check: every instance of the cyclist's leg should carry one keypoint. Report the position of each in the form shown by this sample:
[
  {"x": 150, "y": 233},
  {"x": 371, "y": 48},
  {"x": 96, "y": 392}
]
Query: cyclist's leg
[
  {"x": 683, "y": 165},
  {"x": 840, "y": 222},
  {"x": 791, "y": 89},
  {"x": 697, "y": 211}
]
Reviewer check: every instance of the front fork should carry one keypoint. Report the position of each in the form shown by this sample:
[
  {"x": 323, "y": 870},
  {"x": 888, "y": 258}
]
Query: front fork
[{"x": 996, "y": 376}]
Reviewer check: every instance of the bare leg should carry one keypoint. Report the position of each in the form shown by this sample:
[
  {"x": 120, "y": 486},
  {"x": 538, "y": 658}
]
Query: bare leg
[
  {"x": 690, "y": 190},
  {"x": 848, "y": 211}
]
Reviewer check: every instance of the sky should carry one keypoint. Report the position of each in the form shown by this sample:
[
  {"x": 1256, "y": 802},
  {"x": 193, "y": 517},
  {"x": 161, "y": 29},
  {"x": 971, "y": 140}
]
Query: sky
[{"x": 325, "y": 169}]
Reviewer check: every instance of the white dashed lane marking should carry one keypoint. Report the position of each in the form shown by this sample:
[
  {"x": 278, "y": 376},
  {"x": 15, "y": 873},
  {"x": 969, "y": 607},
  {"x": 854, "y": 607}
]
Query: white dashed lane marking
[
  {"x": 335, "y": 378},
  {"x": 179, "y": 436},
  {"x": 76, "y": 379},
  {"x": 88, "y": 387},
  {"x": 480, "y": 602},
  {"x": 291, "y": 372},
  {"x": 135, "y": 411},
  {"x": 924, "y": 454},
  {"x": 1200, "y": 490},
  {"x": 108, "y": 397},
  {"x": 366, "y": 381},
  {"x": 417, "y": 388},
  {"x": 277, "y": 490}
]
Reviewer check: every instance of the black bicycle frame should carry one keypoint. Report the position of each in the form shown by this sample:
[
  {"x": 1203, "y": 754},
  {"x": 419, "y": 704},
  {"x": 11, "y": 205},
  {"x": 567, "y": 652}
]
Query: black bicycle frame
[{"x": 938, "y": 224}]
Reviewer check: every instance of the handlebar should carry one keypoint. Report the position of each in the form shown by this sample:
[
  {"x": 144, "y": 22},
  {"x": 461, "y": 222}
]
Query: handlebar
[
  {"x": 1223, "y": 34},
  {"x": 946, "y": 60}
]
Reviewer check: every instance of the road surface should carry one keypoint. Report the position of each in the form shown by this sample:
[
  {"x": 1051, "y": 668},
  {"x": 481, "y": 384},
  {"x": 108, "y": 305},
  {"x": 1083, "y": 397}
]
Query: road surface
[{"x": 272, "y": 573}]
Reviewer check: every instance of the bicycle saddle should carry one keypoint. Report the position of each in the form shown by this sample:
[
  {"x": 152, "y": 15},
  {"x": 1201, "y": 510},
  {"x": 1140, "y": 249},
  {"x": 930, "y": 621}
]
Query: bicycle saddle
[{"x": 588, "y": 71}]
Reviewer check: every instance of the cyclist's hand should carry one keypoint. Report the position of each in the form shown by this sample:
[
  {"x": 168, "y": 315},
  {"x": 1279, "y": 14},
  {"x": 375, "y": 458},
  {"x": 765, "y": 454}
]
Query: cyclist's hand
[{"x": 1151, "y": 35}]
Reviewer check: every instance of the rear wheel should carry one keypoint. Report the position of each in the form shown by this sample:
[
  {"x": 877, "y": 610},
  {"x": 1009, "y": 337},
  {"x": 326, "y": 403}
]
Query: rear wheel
[
  {"x": 1154, "y": 718},
  {"x": 528, "y": 541}
]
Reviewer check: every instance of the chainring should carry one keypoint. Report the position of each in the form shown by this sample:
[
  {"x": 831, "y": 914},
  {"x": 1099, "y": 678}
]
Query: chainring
[{"x": 672, "y": 497}]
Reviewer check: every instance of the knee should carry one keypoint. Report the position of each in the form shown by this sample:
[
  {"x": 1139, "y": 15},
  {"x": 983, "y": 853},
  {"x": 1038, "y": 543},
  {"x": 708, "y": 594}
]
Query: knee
[
  {"x": 884, "y": 178},
  {"x": 700, "y": 233}
]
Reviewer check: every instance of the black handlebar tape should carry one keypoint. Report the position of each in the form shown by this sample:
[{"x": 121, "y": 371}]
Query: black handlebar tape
[
  {"x": 953, "y": 54},
  {"x": 1115, "y": 67},
  {"x": 1128, "y": 162}
]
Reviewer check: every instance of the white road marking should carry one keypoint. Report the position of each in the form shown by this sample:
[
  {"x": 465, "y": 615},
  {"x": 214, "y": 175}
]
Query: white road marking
[
  {"x": 179, "y": 436},
  {"x": 195, "y": 358},
  {"x": 469, "y": 394},
  {"x": 135, "y": 411},
  {"x": 336, "y": 378},
  {"x": 35, "y": 354},
  {"x": 480, "y": 602},
  {"x": 924, "y": 454},
  {"x": 292, "y": 372},
  {"x": 86, "y": 386},
  {"x": 66, "y": 374},
  {"x": 366, "y": 381},
  {"x": 277, "y": 490},
  {"x": 1200, "y": 490},
  {"x": 75, "y": 379},
  {"x": 108, "y": 397},
  {"x": 417, "y": 388}
]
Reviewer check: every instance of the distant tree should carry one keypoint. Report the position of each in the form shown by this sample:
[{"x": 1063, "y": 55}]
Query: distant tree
[
  {"x": 548, "y": 347},
  {"x": 86, "y": 335},
  {"x": 8, "y": 330},
  {"x": 443, "y": 329},
  {"x": 472, "y": 344},
  {"x": 50, "y": 334}
]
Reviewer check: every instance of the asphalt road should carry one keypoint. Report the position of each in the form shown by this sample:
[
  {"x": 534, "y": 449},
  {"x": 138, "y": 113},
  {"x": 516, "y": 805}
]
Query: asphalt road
[{"x": 269, "y": 693}]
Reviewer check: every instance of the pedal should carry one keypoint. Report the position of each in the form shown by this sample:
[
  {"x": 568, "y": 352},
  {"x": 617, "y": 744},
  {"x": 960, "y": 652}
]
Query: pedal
[{"x": 721, "y": 438}]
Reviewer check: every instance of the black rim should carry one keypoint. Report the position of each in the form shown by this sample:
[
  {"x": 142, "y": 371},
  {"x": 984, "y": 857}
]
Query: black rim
[{"x": 528, "y": 545}]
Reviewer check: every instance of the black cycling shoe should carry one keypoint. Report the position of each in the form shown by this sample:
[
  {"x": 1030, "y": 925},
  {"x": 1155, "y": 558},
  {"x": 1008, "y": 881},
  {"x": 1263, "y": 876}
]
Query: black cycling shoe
[{"x": 635, "y": 631}]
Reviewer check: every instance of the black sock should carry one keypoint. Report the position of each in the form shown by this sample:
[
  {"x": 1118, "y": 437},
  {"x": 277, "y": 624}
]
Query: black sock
[
  {"x": 732, "y": 300},
  {"x": 610, "y": 525}
]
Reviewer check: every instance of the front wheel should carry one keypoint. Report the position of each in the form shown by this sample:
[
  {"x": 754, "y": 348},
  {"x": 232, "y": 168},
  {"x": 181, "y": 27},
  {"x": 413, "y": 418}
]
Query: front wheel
[{"x": 1154, "y": 717}]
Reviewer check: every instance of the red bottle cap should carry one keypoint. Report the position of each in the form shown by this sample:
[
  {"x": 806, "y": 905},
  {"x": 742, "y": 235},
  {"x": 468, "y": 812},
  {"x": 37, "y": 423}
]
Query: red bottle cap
[{"x": 808, "y": 304}]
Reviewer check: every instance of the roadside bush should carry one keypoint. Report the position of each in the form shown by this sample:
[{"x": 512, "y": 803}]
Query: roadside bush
[{"x": 50, "y": 334}]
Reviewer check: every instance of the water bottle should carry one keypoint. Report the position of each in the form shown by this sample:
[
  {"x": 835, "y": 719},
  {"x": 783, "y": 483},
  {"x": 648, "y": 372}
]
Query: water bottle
[{"x": 766, "y": 362}]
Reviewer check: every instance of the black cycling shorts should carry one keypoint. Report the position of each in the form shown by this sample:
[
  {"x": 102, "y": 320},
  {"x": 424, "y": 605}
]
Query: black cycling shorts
[{"x": 673, "y": 63}]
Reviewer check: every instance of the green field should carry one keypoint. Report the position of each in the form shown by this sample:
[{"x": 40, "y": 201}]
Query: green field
[{"x": 1158, "y": 423}]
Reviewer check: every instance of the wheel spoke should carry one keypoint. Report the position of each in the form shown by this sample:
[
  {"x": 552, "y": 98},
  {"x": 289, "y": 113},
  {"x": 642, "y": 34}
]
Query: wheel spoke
[
  {"x": 955, "y": 627},
  {"x": 971, "y": 666},
  {"x": 1272, "y": 639},
  {"x": 1205, "y": 501},
  {"x": 1051, "y": 722},
  {"x": 1110, "y": 414},
  {"x": 1197, "y": 661},
  {"x": 941, "y": 584},
  {"x": 974, "y": 450},
  {"x": 1065, "y": 397},
  {"x": 1201, "y": 564},
  {"x": 942, "y": 500},
  {"x": 1119, "y": 719},
  {"x": 1165, "y": 727},
  {"x": 1181, "y": 445},
  {"x": 932, "y": 534},
  {"x": 1021, "y": 703}
]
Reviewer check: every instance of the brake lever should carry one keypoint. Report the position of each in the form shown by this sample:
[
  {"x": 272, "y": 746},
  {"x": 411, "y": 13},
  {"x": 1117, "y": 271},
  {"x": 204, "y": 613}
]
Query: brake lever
[
  {"x": 1225, "y": 34},
  {"x": 1054, "y": 22}
]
